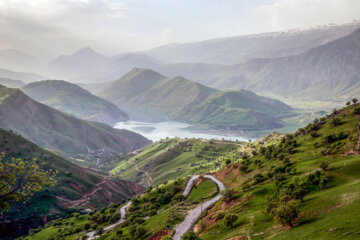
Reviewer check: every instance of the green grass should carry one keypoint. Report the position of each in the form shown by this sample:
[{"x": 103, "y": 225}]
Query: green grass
[
  {"x": 205, "y": 189},
  {"x": 174, "y": 158}
]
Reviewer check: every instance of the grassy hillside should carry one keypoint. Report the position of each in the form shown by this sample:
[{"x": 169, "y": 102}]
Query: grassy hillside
[
  {"x": 70, "y": 98},
  {"x": 172, "y": 158},
  {"x": 76, "y": 189},
  {"x": 180, "y": 99},
  {"x": 311, "y": 175},
  {"x": 61, "y": 132}
]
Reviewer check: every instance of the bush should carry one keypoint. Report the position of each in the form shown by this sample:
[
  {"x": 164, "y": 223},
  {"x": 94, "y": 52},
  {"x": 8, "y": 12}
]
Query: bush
[
  {"x": 230, "y": 219},
  {"x": 219, "y": 215},
  {"x": 190, "y": 236},
  {"x": 336, "y": 122},
  {"x": 324, "y": 165}
]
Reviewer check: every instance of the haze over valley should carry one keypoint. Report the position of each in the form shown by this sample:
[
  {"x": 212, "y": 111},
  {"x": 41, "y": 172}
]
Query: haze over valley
[{"x": 183, "y": 120}]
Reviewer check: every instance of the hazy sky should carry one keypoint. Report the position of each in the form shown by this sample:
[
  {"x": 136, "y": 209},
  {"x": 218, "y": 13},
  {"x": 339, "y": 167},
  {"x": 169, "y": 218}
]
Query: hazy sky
[{"x": 50, "y": 27}]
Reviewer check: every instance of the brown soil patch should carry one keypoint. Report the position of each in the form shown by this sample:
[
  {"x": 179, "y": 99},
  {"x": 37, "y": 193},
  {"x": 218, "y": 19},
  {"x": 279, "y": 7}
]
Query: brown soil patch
[
  {"x": 160, "y": 234},
  {"x": 333, "y": 207}
]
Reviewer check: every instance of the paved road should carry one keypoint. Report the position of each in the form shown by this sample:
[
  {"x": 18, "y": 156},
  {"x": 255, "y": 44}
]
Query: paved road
[
  {"x": 195, "y": 213},
  {"x": 189, "y": 185},
  {"x": 91, "y": 235}
]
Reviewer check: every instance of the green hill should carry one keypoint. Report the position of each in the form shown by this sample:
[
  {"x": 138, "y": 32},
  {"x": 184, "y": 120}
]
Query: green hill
[
  {"x": 50, "y": 128},
  {"x": 169, "y": 159},
  {"x": 304, "y": 185},
  {"x": 70, "y": 98},
  {"x": 69, "y": 193},
  {"x": 180, "y": 99}
]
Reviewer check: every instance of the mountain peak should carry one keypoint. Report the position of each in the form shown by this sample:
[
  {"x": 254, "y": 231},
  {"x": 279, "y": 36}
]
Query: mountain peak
[{"x": 85, "y": 51}]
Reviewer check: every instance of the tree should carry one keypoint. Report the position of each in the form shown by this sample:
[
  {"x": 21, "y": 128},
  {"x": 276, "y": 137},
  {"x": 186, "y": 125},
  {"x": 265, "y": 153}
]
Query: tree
[
  {"x": 137, "y": 231},
  {"x": 20, "y": 180},
  {"x": 99, "y": 231},
  {"x": 348, "y": 103},
  {"x": 285, "y": 213},
  {"x": 229, "y": 194},
  {"x": 324, "y": 165},
  {"x": 354, "y": 100},
  {"x": 230, "y": 219},
  {"x": 190, "y": 236}
]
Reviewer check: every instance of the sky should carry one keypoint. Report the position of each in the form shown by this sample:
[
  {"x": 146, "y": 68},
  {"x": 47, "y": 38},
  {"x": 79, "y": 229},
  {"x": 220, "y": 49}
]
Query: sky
[{"x": 47, "y": 28}]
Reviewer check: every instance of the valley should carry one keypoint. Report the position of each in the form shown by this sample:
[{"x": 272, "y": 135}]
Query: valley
[{"x": 179, "y": 120}]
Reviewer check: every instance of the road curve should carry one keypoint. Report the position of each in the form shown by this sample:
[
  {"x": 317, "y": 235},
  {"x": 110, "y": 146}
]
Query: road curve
[
  {"x": 189, "y": 185},
  {"x": 91, "y": 235},
  {"x": 195, "y": 213}
]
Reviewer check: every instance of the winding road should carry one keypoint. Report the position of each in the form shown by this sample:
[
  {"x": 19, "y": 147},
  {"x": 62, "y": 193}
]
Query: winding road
[
  {"x": 91, "y": 235},
  {"x": 190, "y": 218},
  {"x": 195, "y": 213}
]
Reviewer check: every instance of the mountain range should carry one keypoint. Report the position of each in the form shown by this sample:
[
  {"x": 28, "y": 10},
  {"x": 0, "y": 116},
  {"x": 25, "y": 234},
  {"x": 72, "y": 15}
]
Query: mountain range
[
  {"x": 70, "y": 98},
  {"x": 50, "y": 128},
  {"x": 180, "y": 99}
]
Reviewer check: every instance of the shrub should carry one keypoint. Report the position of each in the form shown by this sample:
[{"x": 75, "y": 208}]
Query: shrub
[
  {"x": 190, "y": 236},
  {"x": 219, "y": 215},
  {"x": 230, "y": 219},
  {"x": 336, "y": 122},
  {"x": 324, "y": 165}
]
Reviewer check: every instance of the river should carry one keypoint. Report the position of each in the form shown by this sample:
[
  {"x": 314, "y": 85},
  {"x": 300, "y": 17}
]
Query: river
[{"x": 171, "y": 129}]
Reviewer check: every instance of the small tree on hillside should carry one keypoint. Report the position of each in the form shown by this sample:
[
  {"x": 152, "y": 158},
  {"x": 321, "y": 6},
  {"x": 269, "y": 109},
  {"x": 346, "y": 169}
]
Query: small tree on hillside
[
  {"x": 230, "y": 219},
  {"x": 324, "y": 165},
  {"x": 20, "y": 180},
  {"x": 354, "y": 100}
]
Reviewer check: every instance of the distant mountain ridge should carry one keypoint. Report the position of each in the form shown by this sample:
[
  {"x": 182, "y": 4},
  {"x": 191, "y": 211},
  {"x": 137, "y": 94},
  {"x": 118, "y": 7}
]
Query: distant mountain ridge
[
  {"x": 61, "y": 132},
  {"x": 70, "y": 98},
  {"x": 325, "y": 72},
  {"x": 22, "y": 76},
  {"x": 232, "y": 50},
  {"x": 180, "y": 99}
]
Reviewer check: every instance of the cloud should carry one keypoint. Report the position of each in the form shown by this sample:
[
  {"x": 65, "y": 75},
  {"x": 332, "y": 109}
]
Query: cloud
[
  {"x": 46, "y": 24},
  {"x": 282, "y": 14}
]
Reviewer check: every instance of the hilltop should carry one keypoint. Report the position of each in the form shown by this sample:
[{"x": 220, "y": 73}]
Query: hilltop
[
  {"x": 76, "y": 189},
  {"x": 70, "y": 98},
  {"x": 50, "y": 128},
  {"x": 181, "y": 99}
]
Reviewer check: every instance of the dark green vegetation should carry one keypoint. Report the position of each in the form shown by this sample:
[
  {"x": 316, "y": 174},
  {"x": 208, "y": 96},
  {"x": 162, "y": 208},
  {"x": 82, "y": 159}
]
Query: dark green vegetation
[
  {"x": 19, "y": 181},
  {"x": 75, "y": 187},
  {"x": 70, "y": 98},
  {"x": 172, "y": 158},
  {"x": 61, "y": 132},
  {"x": 181, "y": 99}
]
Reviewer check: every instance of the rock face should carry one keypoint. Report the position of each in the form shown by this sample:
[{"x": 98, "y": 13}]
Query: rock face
[
  {"x": 71, "y": 98},
  {"x": 61, "y": 132}
]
